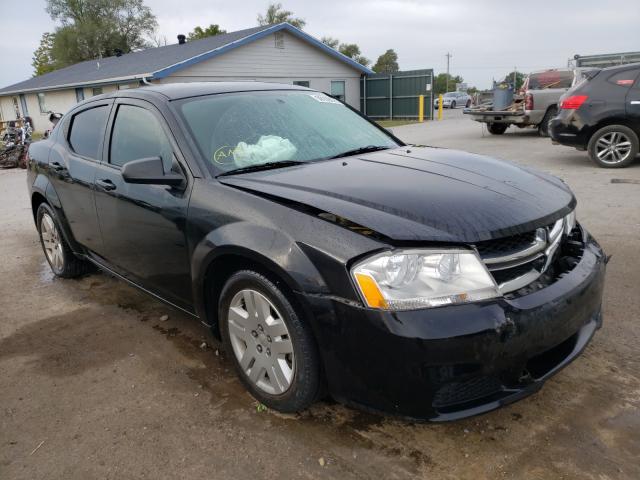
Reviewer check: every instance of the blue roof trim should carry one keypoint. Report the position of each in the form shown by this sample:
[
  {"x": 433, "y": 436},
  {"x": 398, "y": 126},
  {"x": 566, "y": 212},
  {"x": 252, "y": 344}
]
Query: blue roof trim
[{"x": 165, "y": 72}]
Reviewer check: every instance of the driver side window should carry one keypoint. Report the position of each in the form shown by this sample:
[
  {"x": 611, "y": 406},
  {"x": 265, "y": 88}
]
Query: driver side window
[{"x": 137, "y": 134}]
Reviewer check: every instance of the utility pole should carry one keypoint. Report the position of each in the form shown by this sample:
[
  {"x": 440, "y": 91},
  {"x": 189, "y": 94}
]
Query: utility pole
[
  {"x": 515, "y": 69},
  {"x": 448, "y": 55}
]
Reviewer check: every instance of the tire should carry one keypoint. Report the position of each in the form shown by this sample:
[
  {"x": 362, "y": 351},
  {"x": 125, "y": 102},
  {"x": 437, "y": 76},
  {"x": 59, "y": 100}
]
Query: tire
[
  {"x": 453, "y": 104},
  {"x": 613, "y": 146},
  {"x": 468, "y": 104},
  {"x": 296, "y": 382},
  {"x": 497, "y": 128},
  {"x": 60, "y": 258},
  {"x": 543, "y": 128}
]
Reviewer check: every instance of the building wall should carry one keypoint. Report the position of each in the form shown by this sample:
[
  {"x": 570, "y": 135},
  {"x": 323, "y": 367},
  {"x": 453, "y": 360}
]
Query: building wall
[
  {"x": 59, "y": 101},
  {"x": 262, "y": 61}
]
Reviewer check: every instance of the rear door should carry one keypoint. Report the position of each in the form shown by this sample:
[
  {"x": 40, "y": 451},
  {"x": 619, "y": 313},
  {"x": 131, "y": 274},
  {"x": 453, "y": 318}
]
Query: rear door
[
  {"x": 73, "y": 164},
  {"x": 144, "y": 226}
]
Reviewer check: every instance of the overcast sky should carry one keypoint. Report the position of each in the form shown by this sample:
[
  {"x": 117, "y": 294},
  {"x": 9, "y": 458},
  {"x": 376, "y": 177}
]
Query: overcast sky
[{"x": 487, "y": 38}]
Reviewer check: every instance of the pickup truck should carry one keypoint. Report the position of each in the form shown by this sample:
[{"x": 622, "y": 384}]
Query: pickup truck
[{"x": 535, "y": 105}]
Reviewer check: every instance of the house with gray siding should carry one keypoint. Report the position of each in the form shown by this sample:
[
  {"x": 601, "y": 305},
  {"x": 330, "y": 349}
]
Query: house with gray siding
[{"x": 274, "y": 53}]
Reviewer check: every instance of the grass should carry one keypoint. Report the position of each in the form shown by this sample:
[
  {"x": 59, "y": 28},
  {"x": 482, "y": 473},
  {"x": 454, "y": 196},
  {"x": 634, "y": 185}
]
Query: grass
[{"x": 394, "y": 123}]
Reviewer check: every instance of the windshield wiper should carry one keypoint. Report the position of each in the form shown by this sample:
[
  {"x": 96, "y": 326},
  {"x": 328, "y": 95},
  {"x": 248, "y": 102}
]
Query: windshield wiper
[
  {"x": 262, "y": 166},
  {"x": 357, "y": 151}
]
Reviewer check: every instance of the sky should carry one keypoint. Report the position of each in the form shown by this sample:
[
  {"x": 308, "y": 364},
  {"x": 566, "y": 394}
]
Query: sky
[{"x": 486, "y": 38}]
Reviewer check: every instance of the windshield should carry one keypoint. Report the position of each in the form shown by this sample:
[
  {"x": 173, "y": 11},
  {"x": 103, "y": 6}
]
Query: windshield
[
  {"x": 248, "y": 129},
  {"x": 450, "y": 94}
]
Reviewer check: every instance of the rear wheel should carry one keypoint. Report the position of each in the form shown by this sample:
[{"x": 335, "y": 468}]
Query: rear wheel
[
  {"x": 453, "y": 104},
  {"x": 614, "y": 146},
  {"x": 544, "y": 127},
  {"x": 272, "y": 348},
  {"x": 61, "y": 259},
  {"x": 497, "y": 128}
]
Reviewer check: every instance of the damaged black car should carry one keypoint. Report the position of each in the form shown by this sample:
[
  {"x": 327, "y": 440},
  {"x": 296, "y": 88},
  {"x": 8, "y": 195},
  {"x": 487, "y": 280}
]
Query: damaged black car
[{"x": 329, "y": 257}]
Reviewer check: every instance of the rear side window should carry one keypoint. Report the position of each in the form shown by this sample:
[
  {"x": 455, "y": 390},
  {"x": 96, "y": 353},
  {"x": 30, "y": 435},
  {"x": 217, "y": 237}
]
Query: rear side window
[
  {"x": 87, "y": 131},
  {"x": 137, "y": 134},
  {"x": 551, "y": 79},
  {"x": 624, "y": 79}
]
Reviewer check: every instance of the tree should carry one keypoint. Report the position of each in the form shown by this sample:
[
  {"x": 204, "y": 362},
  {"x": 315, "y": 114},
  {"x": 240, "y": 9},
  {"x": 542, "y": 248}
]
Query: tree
[
  {"x": 441, "y": 83},
  {"x": 98, "y": 28},
  {"x": 330, "y": 42},
  {"x": 519, "y": 79},
  {"x": 387, "y": 62},
  {"x": 276, "y": 14},
  {"x": 352, "y": 51},
  {"x": 42, "y": 59},
  {"x": 211, "y": 31}
]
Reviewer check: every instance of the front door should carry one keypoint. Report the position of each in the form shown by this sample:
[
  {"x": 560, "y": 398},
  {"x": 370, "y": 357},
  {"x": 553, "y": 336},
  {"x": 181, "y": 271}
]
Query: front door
[
  {"x": 633, "y": 100},
  {"x": 144, "y": 226}
]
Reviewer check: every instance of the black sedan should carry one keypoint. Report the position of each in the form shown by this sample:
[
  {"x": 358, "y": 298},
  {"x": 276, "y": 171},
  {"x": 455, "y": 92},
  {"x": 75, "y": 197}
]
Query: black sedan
[
  {"x": 602, "y": 115},
  {"x": 327, "y": 255}
]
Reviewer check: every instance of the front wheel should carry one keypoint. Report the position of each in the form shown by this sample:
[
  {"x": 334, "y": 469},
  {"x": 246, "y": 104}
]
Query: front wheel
[
  {"x": 497, "y": 128},
  {"x": 614, "y": 146},
  {"x": 453, "y": 104},
  {"x": 271, "y": 346}
]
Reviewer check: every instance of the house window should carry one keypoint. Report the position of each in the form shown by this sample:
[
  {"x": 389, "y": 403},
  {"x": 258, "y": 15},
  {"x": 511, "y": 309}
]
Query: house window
[
  {"x": 41, "y": 103},
  {"x": 97, "y": 91},
  {"x": 15, "y": 106},
  {"x": 338, "y": 89},
  {"x": 79, "y": 94},
  {"x": 301, "y": 83},
  {"x": 279, "y": 38}
]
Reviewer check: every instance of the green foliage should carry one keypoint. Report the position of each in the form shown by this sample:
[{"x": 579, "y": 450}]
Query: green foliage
[
  {"x": 441, "y": 83},
  {"x": 352, "y": 51},
  {"x": 211, "y": 31},
  {"x": 42, "y": 60},
  {"x": 519, "y": 79},
  {"x": 276, "y": 14},
  {"x": 330, "y": 42},
  {"x": 387, "y": 62},
  {"x": 98, "y": 28}
]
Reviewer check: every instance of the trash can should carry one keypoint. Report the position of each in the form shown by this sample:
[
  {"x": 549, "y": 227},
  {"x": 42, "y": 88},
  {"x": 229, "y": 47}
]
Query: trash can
[{"x": 502, "y": 96}]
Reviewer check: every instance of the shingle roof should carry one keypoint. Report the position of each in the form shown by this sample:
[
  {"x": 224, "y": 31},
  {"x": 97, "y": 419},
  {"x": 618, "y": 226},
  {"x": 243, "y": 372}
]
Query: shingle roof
[{"x": 158, "y": 62}]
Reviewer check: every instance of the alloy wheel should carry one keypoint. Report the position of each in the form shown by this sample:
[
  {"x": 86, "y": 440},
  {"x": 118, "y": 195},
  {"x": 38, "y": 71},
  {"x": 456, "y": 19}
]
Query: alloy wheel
[
  {"x": 613, "y": 147},
  {"x": 261, "y": 342},
  {"x": 51, "y": 242}
]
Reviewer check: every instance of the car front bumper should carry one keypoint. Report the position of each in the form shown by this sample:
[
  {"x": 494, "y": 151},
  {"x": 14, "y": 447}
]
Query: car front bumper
[{"x": 453, "y": 362}]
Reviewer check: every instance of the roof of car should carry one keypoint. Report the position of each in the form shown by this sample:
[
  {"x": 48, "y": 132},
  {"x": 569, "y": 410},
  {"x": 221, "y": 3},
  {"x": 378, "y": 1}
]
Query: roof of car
[{"x": 174, "y": 91}]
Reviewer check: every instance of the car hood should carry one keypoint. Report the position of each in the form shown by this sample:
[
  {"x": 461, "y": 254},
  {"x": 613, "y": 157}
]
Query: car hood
[{"x": 420, "y": 193}]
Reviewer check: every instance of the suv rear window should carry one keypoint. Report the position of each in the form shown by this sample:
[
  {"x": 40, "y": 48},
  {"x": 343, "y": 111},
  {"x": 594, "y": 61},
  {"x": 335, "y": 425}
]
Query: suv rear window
[
  {"x": 551, "y": 79},
  {"x": 87, "y": 131},
  {"x": 624, "y": 79}
]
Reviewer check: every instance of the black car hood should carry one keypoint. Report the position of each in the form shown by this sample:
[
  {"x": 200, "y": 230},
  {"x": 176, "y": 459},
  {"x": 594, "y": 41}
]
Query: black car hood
[{"x": 420, "y": 193}]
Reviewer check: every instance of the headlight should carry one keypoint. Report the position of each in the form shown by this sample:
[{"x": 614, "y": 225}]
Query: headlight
[{"x": 413, "y": 279}]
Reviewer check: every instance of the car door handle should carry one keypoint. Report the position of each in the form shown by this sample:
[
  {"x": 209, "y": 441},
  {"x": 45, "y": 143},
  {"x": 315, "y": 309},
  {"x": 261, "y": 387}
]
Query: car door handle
[
  {"x": 635, "y": 102},
  {"x": 106, "y": 184},
  {"x": 57, "y": 166}
]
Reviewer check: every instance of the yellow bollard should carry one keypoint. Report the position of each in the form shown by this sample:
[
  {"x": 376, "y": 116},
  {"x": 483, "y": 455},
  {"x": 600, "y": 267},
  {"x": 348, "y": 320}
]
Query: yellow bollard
[
  {"x": 440, "y": 107},
  {"x": 421, "y": 108}
]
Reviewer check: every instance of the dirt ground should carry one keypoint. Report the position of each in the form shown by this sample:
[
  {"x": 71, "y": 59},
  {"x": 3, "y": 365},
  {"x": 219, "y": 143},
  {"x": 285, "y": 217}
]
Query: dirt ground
[{"x": 93, "y": 384}]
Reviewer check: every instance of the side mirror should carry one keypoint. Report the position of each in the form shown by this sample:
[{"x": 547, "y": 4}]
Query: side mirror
[{"x": 150, "y": 171}]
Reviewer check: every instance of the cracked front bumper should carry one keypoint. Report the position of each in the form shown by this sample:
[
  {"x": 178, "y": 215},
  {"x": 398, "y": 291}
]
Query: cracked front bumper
[{"x": 452, "y": 362}]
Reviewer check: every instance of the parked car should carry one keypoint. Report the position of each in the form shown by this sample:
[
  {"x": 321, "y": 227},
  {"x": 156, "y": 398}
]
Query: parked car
[
  {"x": 326, "y": 254},
  {"x": 537, "y": 104},
  {"x": 454, "y": 100},
  {"x": 602, "y": 115}
]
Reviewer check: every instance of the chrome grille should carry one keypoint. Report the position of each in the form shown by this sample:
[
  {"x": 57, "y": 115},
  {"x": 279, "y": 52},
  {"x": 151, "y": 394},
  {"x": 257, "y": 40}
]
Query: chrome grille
[{"x": 519, "y": 260}]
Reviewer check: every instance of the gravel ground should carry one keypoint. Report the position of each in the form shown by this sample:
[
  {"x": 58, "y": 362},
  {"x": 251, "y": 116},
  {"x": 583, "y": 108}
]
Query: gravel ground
[{"x": 96, "y": 383}]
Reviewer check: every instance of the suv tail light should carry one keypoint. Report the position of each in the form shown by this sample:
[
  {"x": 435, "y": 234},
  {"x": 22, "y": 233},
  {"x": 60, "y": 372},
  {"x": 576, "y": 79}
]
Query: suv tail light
[
  {"x": 528, "y": 102},
  {"x": 573, "y": 102}
]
